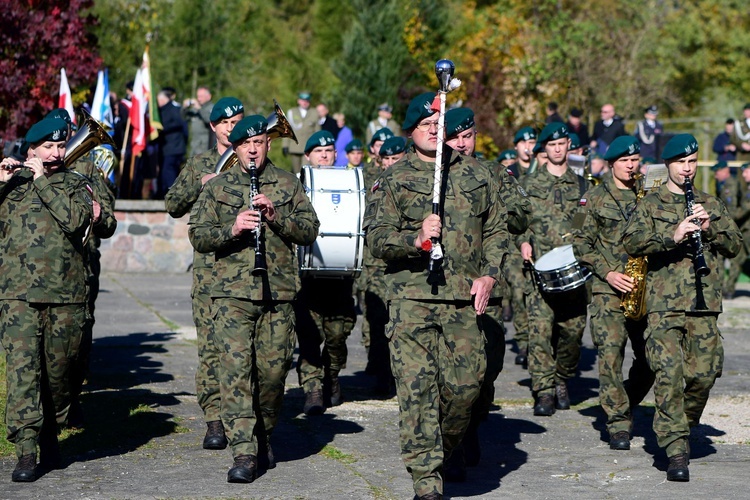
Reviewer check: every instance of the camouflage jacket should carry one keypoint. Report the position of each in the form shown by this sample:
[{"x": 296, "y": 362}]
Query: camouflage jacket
[
  {"x": 671, "y": 284},
  {"x": 554, "y": 201},
  {"x": 598, "y": 244},
  {"x": 211, "y": 221},
  {"x": 742, "y": 216},
  {"x": 42, "y": 225},
  {"x": 515, "y": 198},
  {"x": 729, "y": 192},
  {"x": 100, "y": 192},
  {"x": 474, "y": 236},
  {"x": 184, "y": 193}
]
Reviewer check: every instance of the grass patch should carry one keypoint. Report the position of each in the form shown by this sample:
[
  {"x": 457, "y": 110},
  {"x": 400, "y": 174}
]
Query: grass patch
[{"x": 336, "y": 454}]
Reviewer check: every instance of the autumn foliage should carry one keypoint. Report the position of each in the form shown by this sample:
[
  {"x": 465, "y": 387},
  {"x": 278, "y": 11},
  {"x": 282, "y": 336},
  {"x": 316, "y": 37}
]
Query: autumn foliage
[{"x": 37, "y": 39}]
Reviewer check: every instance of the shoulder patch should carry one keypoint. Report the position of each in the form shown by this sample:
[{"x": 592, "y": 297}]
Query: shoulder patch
[
  {"x": 582, "y": 202},
  {"x": 375, "y": 186},
  {"x": 510, "y": 172}
]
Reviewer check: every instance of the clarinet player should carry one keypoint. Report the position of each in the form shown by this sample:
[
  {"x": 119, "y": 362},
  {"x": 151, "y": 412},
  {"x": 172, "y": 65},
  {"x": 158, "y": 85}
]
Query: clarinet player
[
  {"x": 252, "y": 311},
  {"x": 683, "y": 342}
]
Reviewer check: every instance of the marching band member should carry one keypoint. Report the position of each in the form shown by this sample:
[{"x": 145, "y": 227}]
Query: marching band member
[
  {"x": 179, "y": 201},
  {"x": 554, "y": 192},
  {"x": 252, "y": 312},
  {"x": 435, "y": 328},
  {"x": 683, "y": 342},
  {"x": 598, "y": 245}
]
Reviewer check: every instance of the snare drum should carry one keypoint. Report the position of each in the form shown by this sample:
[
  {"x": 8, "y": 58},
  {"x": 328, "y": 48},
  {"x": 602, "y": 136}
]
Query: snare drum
[
  {"x": 558, "y": 270},
  {"x": 338, "y": 196}
]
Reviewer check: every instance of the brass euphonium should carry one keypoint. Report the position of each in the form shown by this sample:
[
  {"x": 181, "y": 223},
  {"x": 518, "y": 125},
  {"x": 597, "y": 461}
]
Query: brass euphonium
[
  {"x": 90, "y": 135},
  {"x": 278, "y": 126},
  {"x": 633, "y": 303}
]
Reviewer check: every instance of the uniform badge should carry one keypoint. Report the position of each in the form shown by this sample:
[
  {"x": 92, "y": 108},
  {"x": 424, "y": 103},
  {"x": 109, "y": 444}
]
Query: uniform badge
[
  {"x": 375, "y": 186},
  {"x": 522, "y": 191},
  {"x": 582, "y": 202},
  {"x": 510, "y": 172}
]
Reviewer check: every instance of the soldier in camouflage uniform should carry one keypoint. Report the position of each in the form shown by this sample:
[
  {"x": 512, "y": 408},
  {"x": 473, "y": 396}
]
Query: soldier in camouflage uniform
[
  {"x": 461, "y": 133},
  {"x": 253, "y": 315},
  {"x": 325, "y": 313},
  {"x": 683, "y": 342},
  {"x": 518, "y": 276},
  {"x": 44, "y": 213},
  {"x": 728, "y": 189},
  {"x": 179, "y": 201},
  {"x": 435, "y": 327},
  {"x": 597, "y": 244},
  {"x": 554, "y": 192},
  {"x": 742, "y": 215}
]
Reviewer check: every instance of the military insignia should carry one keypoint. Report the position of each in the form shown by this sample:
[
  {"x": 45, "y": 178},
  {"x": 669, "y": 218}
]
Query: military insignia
[
  {"x": 522, "y": 191},
  {"x": 510, "y": 172},
  {"x": 388, "y": 152},
  {"x": 251, "y": 132},
  {"x": 323, "y": 141},
  {"x": 56, "y": 135},
  {"x": 375, "y": 186},
  {"x": 582, "y": 202},
  {"x": 527, "y": 136},
  {"x": 89, "y": 189},
  {"x": 228, "y": 111},
  {"x": 336, "y": 198},
  {"x": 631, "y": 149},
  {"x": 87, "y": 199}
]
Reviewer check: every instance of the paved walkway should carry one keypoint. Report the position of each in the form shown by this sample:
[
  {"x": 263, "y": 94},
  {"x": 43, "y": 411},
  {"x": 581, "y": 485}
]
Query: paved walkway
[{"x": 144, "y": 428}]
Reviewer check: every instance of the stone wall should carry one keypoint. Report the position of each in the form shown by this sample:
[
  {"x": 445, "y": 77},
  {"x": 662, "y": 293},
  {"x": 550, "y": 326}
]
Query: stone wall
[{"x": 147, "y": 240}]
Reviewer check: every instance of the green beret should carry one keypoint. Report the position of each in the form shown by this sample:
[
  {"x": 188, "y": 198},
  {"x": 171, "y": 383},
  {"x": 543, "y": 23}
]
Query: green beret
[
  {"x": 304, "y": 95},
  {"x": 49, "y": 129},
  {"x": 525, "y": 134},
  {"x": 679, "y": 146},
  {"x": 319, "y": 138},
  {"x": 226, "y": 107},
  {"x": 745, "y": 165},
  {"x": 393, "y": 146},
  {"x": 381, "y": 135},
  {"x": 24, "y": 151},
  {"x": 420, "y": 107},
  {"x": 538, "y": 148},
  {"x": 719, "y": 166},
  {"x": 457, "y": 120},
  {"x": 575, "y": 141},
  {"x": 625, "y": 145},
  {"x": 508, "y": 154},
  {"x": 61, "y": 113},
  {"x": 250, "y": 126},
  {"x": 553, "y": 131},
  {"x": 354, "y": 145}
]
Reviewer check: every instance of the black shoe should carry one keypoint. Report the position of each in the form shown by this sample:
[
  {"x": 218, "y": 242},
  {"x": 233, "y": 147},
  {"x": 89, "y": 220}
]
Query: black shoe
[
  {"x": 522, "y": 358},
  {"x": 470, "y": 443},
  {"x": 431, "y": 496},
  {"x": 454, "y": 469},
  {"x": 545, "y": 405},
  {"x": 678, "y": 468},
  {"x": 215, "y": 438},
  {"x": 507, "y": 313},
  {"x": 336, "y": 397},
  {"x": 75, "y": 416},
  {"x": 267, "y": 461},
  {"x": 619, "y": 441},
  {"x": 562, "y": 398},
  {"x": 244, "y": 471},
  {"x": 314, "y": 403},
  {"x": 25, "y": 471}
]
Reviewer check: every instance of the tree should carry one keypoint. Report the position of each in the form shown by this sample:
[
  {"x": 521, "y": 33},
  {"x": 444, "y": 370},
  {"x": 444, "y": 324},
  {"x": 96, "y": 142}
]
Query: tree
[{"x": 36, "y": 41}]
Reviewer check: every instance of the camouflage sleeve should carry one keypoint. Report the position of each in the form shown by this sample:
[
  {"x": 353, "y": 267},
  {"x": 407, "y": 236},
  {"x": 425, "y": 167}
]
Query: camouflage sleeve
[
  {"x": 70, "y": 205},
  {"x": 107, "y": 224},
  {"x": 585, "y": 243},
  {"x": 383, "y": 226},
  {"x": 206, "y": 232},
  {"x": 300, "y": 225},
  {"x": 495, "y": 237},
  {"x": 640, "y": 236},
  {"x": 185, "y": 190},
  {"x": 723, "y": 233},
  {"x": 517, "y": 203}
]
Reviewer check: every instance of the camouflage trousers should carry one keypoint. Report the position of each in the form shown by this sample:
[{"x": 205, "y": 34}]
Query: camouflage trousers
[
  {"x": 735, "y": 269},
  {"x": 610, "y": 331},
  {"x": 438, "y": 361},
  {"x": 556, "y": 325},
  {"x": 207, "y": 373},
  {"x": 256, "y": 341},
  {"x": 686, "y": 354},
  {"x": 376, "y": 316},
  {"x": 80, "y": 368},
  {"x": 325, "y": 315},
  {"x": 518, "y": 282},
  {"x": 494, "y": 347},
  {"x": 41, "y": 342}
]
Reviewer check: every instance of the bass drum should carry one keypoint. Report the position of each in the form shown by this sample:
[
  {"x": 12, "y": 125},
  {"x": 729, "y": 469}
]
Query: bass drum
[
  {"x": 338, "y": 196},
  {"x": 558, "y": 270}
]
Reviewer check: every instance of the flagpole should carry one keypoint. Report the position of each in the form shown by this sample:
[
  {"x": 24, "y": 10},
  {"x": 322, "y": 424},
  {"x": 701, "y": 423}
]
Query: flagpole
[{"x": 124, "y": 150}]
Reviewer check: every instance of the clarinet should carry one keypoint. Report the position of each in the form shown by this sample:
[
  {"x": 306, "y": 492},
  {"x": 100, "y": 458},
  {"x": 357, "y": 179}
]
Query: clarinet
[
  {"x": 699, "y": 261},
  {"x": 260, "y": 257}
]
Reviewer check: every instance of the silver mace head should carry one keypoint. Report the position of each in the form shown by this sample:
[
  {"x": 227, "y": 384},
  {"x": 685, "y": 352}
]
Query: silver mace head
[{"x": 444, "y": 70}]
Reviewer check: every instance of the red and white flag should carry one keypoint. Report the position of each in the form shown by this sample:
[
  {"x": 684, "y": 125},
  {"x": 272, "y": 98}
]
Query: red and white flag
[
  {"x": 138, "y": 115},
  {"x": 65, "y": 100}
]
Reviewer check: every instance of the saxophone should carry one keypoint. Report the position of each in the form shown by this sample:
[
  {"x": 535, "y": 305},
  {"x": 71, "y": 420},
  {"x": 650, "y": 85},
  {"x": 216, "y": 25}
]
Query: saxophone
[{"x": 633, "y": 304}]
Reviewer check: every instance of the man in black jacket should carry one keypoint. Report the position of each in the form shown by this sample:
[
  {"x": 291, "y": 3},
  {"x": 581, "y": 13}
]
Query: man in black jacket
[
  {"x": 606, "y": 130},
  {"x": 172, "y": 142}
]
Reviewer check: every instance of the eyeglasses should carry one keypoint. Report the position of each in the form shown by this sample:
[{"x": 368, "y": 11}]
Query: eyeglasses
[{"x": 426, "y": 126}]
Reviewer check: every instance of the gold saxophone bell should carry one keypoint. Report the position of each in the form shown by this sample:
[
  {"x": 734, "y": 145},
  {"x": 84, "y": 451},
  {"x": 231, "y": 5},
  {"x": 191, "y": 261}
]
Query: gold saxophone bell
[
  {"x": 633, "y": 303},
  {"x": 278, "y": 127},
  {"x": 90, "y": 135}
]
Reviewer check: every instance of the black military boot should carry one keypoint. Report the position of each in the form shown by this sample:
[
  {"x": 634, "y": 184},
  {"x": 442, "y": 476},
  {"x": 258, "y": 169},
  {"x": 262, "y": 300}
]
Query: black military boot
[
  {"x": 25, "y": 471},
  {"x": 620, "y": 440},
  {"x": 454, "y": 468},
  {"x": 678, "y": 468},
  {"x": 245, "y": 469},
  {"x": 522, "y": 358},
  {"x": 267, "y": 460},
  {"x": 507, "y": 313},
  {"x": 431, "y": 496},
  {"x": 545, "y": 405},
  {"x": 215, "y": 438},
  {"x": 562, "y": 398},
  {"x": 336, "y": 397},
  {"x": 314, "y": 403}
]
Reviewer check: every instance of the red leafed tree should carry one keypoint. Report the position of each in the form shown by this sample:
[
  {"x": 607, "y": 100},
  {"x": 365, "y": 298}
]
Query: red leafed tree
[{"x": 38, "y": 38}]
